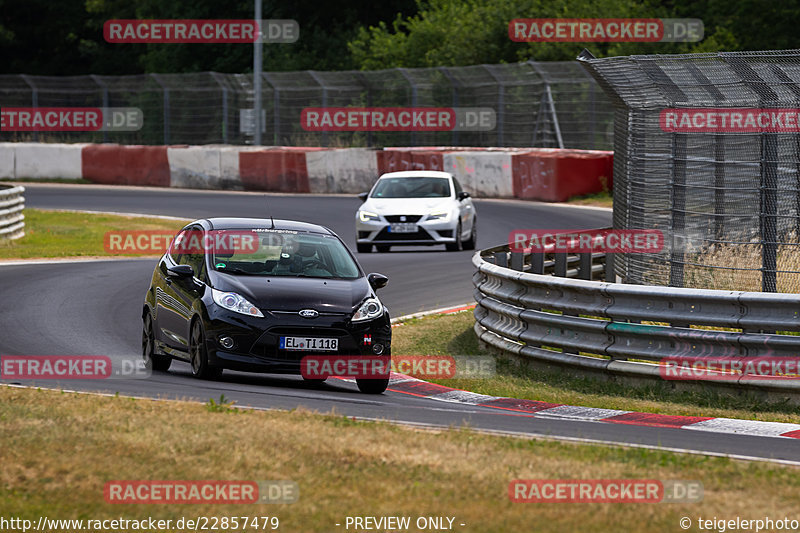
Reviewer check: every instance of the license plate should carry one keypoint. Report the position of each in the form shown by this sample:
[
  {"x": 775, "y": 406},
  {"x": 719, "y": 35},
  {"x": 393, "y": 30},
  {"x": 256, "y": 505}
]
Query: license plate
[
  {"x": 403, "y": 228},
  {"x": 310, "y": 344}
]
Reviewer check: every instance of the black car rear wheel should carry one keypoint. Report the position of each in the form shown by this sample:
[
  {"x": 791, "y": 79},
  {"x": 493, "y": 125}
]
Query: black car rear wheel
[
  {"x": 198, "y": 354},
  {"x": 372, "y": 386},
  {"x": 152, "y": 360}
]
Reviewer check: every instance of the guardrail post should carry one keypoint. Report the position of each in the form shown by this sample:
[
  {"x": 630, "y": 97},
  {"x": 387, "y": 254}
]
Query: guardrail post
[
  {"x": 537, "y": 263},
  {"x": 610, "y": 275},
  {"x": 560, "y": 267},
  {"x": 517, "y": 261},
  {"x": 585, "y": 266}
]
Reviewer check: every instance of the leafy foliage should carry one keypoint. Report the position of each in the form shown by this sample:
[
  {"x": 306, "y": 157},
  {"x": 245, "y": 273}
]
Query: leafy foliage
[{"x": 66, "y": 38}]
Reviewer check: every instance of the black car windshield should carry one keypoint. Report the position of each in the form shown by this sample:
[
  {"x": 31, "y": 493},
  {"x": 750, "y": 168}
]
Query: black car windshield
[
  {"x": 293, "y": 254},
  {"x": 412, "y": 188}
]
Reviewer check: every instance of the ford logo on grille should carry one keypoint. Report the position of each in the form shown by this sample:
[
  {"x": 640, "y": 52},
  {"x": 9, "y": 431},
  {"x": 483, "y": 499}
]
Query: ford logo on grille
[{"x": 308, "y": 313}]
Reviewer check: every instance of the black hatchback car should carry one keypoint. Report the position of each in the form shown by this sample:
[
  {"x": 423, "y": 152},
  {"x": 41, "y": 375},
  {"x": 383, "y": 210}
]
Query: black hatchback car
[{"x": 259, "y": 295}]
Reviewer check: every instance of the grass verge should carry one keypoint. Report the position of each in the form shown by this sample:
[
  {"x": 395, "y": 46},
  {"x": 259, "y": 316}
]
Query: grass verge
[
  {"x": 453, "y": 335},
  {"x": 64, "y": 234},
  {"x": 59, "y": 449},
  {"x": 600, "y": 199}
]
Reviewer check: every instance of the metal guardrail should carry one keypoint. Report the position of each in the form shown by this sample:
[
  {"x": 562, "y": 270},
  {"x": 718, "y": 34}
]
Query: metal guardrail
[
  {"x": 535, "y": 307},
  {"x": 12, "y": 221}
]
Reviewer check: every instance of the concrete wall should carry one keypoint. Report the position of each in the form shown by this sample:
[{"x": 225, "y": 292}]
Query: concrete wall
[{"x": 540, "y": 174}]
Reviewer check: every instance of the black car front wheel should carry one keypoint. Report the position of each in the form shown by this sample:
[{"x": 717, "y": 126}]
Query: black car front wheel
[
  {"x": 198, "y": 354},
  {"x": 372, "y": 386},
  {"x": 152, "y": 360}
]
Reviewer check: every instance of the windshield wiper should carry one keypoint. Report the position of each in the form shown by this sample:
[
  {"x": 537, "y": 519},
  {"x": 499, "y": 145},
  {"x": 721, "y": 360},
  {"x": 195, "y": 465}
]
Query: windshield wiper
[{"x": 235, "y": 270}]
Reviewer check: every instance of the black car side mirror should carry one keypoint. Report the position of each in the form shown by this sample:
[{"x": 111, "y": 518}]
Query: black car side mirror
[
  {"x": 363, "y": 196},
  {"x": 377, "y": 281},
  {"x": 180, "y": 271},
  {"x": 462, "y": 195}
]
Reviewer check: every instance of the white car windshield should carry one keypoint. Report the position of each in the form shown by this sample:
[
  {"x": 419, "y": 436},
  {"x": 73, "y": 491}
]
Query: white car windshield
[{"x": 422, "y": 187}]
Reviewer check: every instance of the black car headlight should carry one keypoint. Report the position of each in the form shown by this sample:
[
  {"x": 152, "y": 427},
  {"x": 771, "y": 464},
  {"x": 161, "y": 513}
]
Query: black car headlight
[
  {"x": 236, "y": 303},
  {"x": 371, "y": 308}
]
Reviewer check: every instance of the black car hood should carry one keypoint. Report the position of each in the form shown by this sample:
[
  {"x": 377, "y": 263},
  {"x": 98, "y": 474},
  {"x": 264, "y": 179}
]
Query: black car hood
[{"x": 285, "y": 293}]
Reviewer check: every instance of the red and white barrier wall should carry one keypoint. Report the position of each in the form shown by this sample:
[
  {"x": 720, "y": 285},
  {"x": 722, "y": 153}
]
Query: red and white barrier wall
[{"x": 531, "y": 173}]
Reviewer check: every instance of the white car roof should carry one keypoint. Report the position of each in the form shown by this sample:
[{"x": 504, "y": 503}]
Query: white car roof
[{"x": 417, "y": 174}]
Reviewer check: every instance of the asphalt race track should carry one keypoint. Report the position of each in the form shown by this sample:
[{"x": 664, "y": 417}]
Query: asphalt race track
[{"x": 80, "y": 308}]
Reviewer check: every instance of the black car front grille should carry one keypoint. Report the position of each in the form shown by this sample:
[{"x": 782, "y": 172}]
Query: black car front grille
[
  {"x": 305, "y": 331},
  {"x": 408, "y": 218},
  {"x": 267, "y": 345},
  {"x": 419, "y": 235}
]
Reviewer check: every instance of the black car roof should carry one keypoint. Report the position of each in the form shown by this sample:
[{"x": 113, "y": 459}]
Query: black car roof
[{"x": 250, "y": 223}]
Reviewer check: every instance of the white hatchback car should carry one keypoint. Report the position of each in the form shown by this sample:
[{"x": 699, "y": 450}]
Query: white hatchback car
[{"x": 416, "y": 208}]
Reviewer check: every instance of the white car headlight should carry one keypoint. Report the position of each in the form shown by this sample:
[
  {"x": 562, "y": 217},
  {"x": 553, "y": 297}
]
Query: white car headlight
[
  {"x": 366, "y": 216},
  {"x": 236, "y": 303},
  {"x": 371, "y": 308},
  {"x": 439, "y": 215}
]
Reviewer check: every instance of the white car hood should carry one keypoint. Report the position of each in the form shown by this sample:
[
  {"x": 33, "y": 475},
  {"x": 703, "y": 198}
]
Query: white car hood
[{"x": 408, "y": 206}]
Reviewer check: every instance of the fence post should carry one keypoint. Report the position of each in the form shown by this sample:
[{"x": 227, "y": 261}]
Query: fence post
[
  {"x": 166, "y": 107},
  {"x": 501, "y": 95},
  {"x": 324, "y": 88},
  {"x": 276, "y": 104},
  {"x": 414, "y": 96},
  {"x": 364, "y": 83},
  {"x": 216, "y": 77},
  {"x": 678, "y": 203},
  {"x": 455, "y": 84},
  {"x": 548, "y": 96},
  {"x": 768, "y": 185},
  {"x": 103, "y": 85},
  {"x": 34, "y": 99}
]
